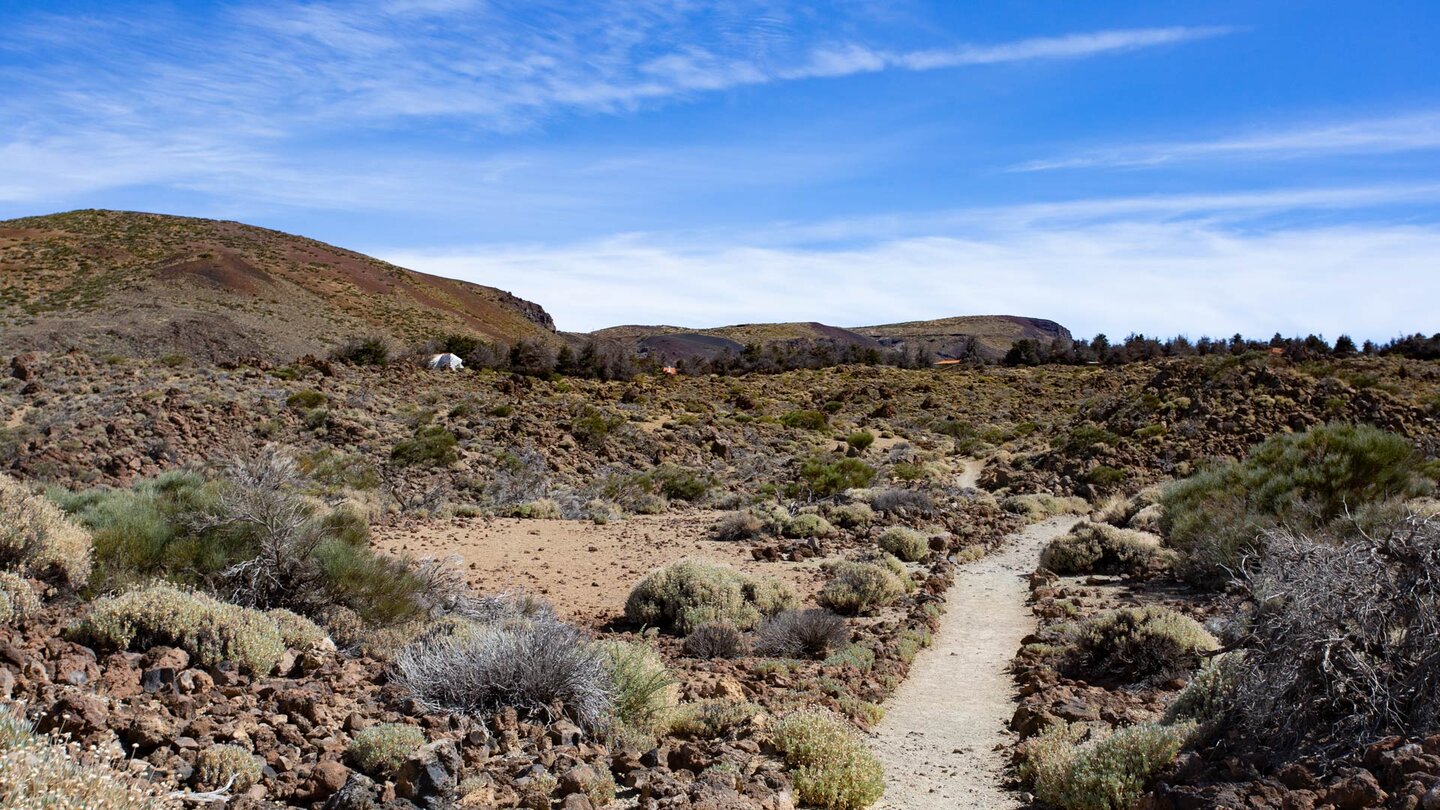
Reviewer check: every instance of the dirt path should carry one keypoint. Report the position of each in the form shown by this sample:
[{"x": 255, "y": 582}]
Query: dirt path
[{"x": 941, "y": 727}]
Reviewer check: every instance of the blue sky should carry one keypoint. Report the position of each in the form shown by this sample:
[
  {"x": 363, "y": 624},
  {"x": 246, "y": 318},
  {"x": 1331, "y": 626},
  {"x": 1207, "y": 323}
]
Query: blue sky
[{"x": 1165, "y": 167}]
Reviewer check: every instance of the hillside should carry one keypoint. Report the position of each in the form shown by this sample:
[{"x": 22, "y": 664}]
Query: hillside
[
  {"x": 134, "y": 283},
  {"x": 948, "y": 337},
  {"x": 944, "y": 338},
  {"x": 677, "y": 343}
]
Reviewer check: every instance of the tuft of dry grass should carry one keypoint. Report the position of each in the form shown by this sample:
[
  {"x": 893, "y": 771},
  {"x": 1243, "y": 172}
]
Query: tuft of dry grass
[{"x": 37, "y": 540}]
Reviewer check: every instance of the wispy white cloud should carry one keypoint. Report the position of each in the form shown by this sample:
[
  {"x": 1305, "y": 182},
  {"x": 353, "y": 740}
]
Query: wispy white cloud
[
  {"x": 1166, "y": 268},
  {"x": 1379, "y": 135}
]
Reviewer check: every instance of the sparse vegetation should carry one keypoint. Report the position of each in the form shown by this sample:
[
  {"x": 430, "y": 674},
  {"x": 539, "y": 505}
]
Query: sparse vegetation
[
  {"x": 859, "y": 587},
  {"x": 532, "y": 666},
  {"x": 1077, "y": 767},
  {"x": 832, "y": 769},
  {"x": 905, "y": 543},
  {"x": 714, "y": 640},
  {"x": 380, "y": 749},
  {"x": 1152, "y": 644},
  {"x": 37, "y": 540},
  {"x": 801, "y": 634},
  {"x": 1305, "y": 481},
  {"x": 1102, "y": 548},
  {"x": 207, "y": 628},
  {"x": 684, "y": 595}
]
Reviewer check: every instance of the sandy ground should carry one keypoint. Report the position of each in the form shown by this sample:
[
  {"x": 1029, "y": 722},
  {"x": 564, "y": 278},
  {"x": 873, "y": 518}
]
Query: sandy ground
[
  {"x": 942, "y": 726},
  {"x": 585, "y": 570}
]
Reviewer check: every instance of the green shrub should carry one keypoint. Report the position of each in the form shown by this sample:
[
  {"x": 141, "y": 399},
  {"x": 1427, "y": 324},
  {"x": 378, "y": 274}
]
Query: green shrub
[
  {"x": 432, "y": 446},
  {"x": 822, "y": 478},
  {"x": 336, "y": 470},
  {"x": 1140, "y": 644},
  {"x": 380, "y": 750},
  {"x": 223, "y": 765},
  {"x": 17, "y": 598},
  {"x": 808, "y": 526},
  {"x": 856, "y": 655},
  {"x": 1102, "y": 548},
  {"x": 306, "y": 400},
  {"x": 710, "y": 719},
  {"x": 37, "y": 540},
  {"x": 830, "y": 767},
  {"x": 592, "y": 427},
  {"x": 805, "y": 420},
  {"x": 1082, "y": 440},
  {"x": 857, "y": 587},
  {"x": 1207, "y": 699},
  {"x": 680, "y": 484},
  {"x": 298, "y": 632},
  {"x": 1306, "y": 481},
  {"x": 210, "y": 630},
  {"x": 180, "y": 527},
  {"x": 905, "y": 543},
  {"x": 852, "y": 516},
  {"x": 860, "y": 440},
  {"x": 686, "y": 594},
  {"x": 643, "y": 690},
  {"x": 365, "y": 351},
  {"x": 1104, "y": 477},
  {"x": 1106, "y": 772}
]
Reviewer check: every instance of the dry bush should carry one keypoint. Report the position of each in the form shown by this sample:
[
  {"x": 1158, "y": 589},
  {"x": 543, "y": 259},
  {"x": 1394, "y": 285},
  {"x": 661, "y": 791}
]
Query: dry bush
[
  {"x": 17, "y": 598},
  {"x": 832, "y": 769},
  {"x": 37, "y": 540},
  {"x": 859, "y": 587},
  {"x": 801, "y": 634},
  {"x": 381, "y": 749},
  {"x": 207, "y": 628},
  {"x": 903, "y": 501},
  {"x": 905, "y": 543},
  {"x": 1079, "y": 767},
  {"x": 686, "y": 594},
  {"x": 222, "y": 766},
  {"x": 1344, "y": 642},
  {"x": 39, "y": 772},
  {"x": 1102, "y": 548},
  {"x": 714, "y": 640},
  {"x": 738, "y": 526},
  {"x": 530, "y": 666},
  {"x": 1040, "y": 506},
  {"x": 1149, "y": 644}
]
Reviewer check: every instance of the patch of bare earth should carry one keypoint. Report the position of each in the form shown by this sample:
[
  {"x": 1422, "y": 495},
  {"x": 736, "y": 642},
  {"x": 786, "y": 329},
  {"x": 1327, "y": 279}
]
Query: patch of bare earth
[
  {"x": 586, "y": 570},
  {"x": 943, "y": 726}
]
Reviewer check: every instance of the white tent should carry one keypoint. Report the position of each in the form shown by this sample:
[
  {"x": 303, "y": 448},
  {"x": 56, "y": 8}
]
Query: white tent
[{"x": 446, "y": 361}]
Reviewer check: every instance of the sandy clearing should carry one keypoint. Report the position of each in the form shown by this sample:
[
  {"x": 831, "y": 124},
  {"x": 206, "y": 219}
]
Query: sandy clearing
[
  {"x": 585, "y": 570},
  {"x": 942, "y": 725}
]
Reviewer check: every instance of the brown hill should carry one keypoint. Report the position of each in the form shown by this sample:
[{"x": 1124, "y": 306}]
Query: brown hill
[
  {"x": 676, "y": 342},
  {"x": 948, "y": 338},
  {"x": 133, "y": 283}
]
